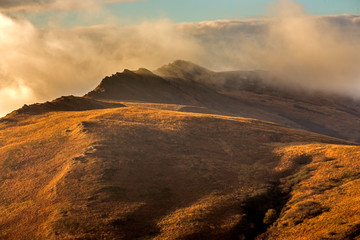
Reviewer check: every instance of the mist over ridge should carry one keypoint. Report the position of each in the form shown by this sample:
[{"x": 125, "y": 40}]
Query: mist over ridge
[{"x": 312, "y": 52}]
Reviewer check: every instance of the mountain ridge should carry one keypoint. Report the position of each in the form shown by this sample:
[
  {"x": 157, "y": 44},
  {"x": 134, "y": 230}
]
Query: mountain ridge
[
  {"x": 244, "y": 94},
  {"x": 249, "y": 94}
]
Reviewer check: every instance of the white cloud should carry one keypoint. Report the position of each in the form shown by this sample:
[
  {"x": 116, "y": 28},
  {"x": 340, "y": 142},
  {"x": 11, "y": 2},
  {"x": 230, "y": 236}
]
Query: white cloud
[
  {"x": 59, "y": 62},
  {"x": 15, "y": 96}
]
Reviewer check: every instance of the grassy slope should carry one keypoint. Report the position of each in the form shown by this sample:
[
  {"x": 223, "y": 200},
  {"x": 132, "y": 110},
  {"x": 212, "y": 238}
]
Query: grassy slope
[
  {"x": 325, "y": 197},
  {"x": 35, "y": 157},
  {"x": 140, "y": 172}
]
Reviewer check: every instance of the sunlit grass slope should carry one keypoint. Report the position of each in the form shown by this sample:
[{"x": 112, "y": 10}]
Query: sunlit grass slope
[
  {"x": 137, "y": 172},
  {"x": 143, "y": 173},
  {"x": 325, "y": 197}
]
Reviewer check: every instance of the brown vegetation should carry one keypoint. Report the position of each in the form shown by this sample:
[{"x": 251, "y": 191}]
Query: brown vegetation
[
  {"x": 139, "y": 172},
  {"x": 325, "y": 201}
]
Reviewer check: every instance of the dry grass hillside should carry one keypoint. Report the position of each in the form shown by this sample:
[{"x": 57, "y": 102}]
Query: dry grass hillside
[
  {"x": 140, "y": 172},
  {"x": 324, "y": 201},
  {"x": 182, "y": 156}
]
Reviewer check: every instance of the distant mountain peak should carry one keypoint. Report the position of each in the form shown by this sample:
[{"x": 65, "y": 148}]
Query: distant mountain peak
[
  {"x": 126, "y": 75},
  {"x": 144, "y": 71},
  {"x": 182, "y": 69},
  {"x": 184, "y": 63},
  {"x": 140, "y": 85}
]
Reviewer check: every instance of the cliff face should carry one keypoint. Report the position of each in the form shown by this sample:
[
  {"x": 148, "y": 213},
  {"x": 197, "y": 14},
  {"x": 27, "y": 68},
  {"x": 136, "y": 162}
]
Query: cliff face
[{"x": 139, "y": 86}]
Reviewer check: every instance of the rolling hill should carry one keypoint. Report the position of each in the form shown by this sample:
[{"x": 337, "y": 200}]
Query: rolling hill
[{"x": 145, "y": 156}]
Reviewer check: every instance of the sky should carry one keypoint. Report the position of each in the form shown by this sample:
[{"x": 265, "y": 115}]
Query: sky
[
  {"x": 130, "y": 12},
  {"x": 51, "y": 48},
  {"x": 204, "y": 10}
]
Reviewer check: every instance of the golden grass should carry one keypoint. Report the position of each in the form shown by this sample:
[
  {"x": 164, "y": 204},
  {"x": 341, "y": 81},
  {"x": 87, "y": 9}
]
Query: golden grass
[
  {"x": 211, "y": 215},
  {"x": 140, "y": 172},
  {"x": 35, "y": 156},
  {"x": 325, "y": 204}
]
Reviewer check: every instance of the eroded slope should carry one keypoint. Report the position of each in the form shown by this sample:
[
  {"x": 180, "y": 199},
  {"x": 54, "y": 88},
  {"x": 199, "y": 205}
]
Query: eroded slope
[{"x": 324, "y": 198}]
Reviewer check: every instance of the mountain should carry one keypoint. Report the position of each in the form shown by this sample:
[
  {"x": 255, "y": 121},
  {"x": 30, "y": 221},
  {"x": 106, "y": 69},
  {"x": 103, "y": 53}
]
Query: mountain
[
  {"x": 145, "y": 156},
  {"x": 251, "y": 94},
  {"x": 268, "y": 99}
]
